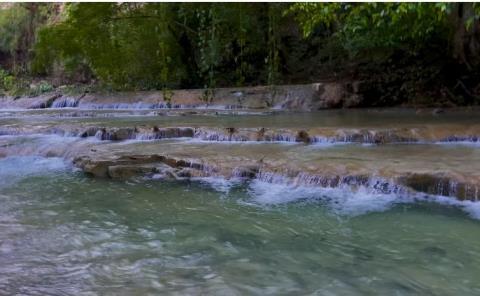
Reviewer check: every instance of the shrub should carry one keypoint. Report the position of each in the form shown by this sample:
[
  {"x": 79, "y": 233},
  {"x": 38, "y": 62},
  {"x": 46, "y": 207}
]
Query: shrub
[{"x": 41, "y": 88}]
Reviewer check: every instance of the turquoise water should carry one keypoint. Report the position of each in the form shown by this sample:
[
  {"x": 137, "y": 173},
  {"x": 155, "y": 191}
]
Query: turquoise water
[{"x": 62, "y": 233}]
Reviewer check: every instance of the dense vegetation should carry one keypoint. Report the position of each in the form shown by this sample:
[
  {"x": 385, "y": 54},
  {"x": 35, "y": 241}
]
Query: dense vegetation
[{"x": 405, "y": 51}]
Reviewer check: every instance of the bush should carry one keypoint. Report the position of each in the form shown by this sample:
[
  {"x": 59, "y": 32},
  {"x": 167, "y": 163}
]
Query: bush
[
  {"x": 16, "y": 86},
  {"x": 6, "y": 80},
  {"x": 11, "y": 85},
  {"x": 41, "y": 88}
]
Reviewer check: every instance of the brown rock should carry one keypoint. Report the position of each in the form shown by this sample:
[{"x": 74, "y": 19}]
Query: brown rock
[{"x": 128, "y": 171}]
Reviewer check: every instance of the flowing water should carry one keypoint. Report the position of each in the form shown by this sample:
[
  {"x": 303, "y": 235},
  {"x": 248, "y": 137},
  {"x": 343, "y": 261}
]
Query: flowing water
[
  {"x": 64, "y": 233},
  {"x": 327, "y": 118}
]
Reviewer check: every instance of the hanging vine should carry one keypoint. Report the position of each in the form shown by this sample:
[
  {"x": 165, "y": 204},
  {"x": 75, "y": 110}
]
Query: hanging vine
[
  {"x": 241, "y": 40},
  {"x": 162, "y": 54},
  {"x": 209, "y": 52},
  {"x": 272, "y": 59}
]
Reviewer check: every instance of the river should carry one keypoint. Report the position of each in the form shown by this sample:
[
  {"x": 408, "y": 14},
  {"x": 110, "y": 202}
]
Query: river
[{"x": 242, "y": 215}]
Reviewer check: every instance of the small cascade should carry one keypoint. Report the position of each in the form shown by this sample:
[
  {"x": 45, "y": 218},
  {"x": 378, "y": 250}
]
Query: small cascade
[
  {"x": 65, "y": 102},
  {"x": 132, "y": 106},
  {"x": 8, "y": 132},
  {"x": 164, "y": 133},
  {"x": 459, "y": 139},
  {"x": 148, "y": 136},
  {"x": 246, "y": 135},
  {"x": 281, "y": 137},
  {"x": 323, "y": 140},
  {"x": 213, "y": 136},
  {"x": 118, "y": 134},
  {"x": 245, "y": 172},
  {"x": 38, "y": 145},
  {"x": 443, "y": 185},
  {"x": 220, "y": 136},
  {"x": 261, "y": 135},
  {"x": 365, "y": 137},
  {"x": 328, "y": 136},
  {"x": 104, "y": 135},
  {"x": 122, "y": 134},
  {"x": 42, "y": 102},
  {"x": 352, "y": 182}
]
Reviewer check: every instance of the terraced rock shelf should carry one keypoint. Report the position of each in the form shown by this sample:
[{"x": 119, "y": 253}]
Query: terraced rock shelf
[{"x": 387, "y": 151}]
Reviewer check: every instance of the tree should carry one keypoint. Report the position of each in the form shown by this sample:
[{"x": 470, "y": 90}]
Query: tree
[
  {"x": 18, "y": 28},
  {"x": 128, "y": 45},
  {"x": 393, "y": 26}
]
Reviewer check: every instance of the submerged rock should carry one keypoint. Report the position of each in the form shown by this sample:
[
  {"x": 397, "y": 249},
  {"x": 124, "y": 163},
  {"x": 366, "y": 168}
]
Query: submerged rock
[{"x": 128, "y": 171}]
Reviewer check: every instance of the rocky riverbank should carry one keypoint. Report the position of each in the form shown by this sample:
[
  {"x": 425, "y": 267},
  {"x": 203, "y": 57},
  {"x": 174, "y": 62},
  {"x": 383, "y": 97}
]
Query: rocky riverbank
[{"x": 286, "y": 97}]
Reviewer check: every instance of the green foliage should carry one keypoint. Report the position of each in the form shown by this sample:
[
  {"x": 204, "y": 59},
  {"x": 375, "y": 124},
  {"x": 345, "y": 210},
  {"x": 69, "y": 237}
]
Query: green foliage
[
  {"x": 272, "y": 59},
  {"x": 139, "y": 45},
  {"x": 159, "y": 45},
  {"x": 11, "y": 85},
  {"x": 163, "y": 46},
  {"x": 13, "y": 24},
  {"x": 476, "y": 16},
  {"x": 40, "y": 88},
  {"x": 311, "y": 15},
  {"x": 128, "y": 45},
  {"x": 12, "y": 21},
  {"x": 6, "y": 80},
  {"x": 18, "y": 26},
  {"x": 207, "y": 95},
  {"x": 239, "y": 57},
  {"x": 208, "y": 44},
  {"x": 16, "y": 86},
  {"x": 364, "y": 26}
]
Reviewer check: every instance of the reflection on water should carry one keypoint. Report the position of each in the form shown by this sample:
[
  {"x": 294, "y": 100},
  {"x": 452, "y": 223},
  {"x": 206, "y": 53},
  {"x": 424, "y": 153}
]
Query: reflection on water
[{"x": 62, "y": 233}]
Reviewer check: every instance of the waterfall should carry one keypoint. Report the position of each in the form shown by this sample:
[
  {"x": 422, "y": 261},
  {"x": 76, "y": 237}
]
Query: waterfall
[
  {"x": 65, "y": 102},
  {"x": 164, "y": 133},
  {"x": 465, "y": 139}
]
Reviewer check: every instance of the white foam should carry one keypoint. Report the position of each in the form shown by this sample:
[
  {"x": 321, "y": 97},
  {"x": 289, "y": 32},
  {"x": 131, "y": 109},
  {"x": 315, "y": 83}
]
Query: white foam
[
  {"x": 459, "y": 143},
  {"x": 268, "y": 193},
  {"x": 345, "y": 200},
  {"x": 363, "y": 201},
  {"x": 218, "y": 183},
  {"x": 38, "y": 144},
  {"x": 65, "y": 102},
  {"x": 133, "y": 141},
  {"x": 342, "y": 200},
  {"x": 470, "y": 207},
  {"x": 234, "y": 142}
]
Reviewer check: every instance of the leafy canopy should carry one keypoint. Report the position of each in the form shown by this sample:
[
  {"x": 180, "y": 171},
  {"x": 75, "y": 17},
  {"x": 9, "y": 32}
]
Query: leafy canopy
[{"x": 363, "y": 26}]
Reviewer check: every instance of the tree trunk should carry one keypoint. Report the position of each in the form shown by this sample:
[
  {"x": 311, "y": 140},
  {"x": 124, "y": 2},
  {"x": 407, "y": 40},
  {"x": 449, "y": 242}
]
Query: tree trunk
[{"x": 466, "y": 40}]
